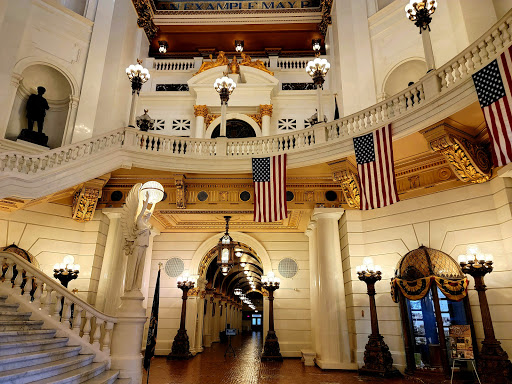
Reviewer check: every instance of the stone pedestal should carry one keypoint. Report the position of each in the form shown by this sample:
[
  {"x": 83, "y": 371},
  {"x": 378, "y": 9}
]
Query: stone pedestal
[
  {"x": 127, "y": 337},
  {"x": 34, "y": 137}
]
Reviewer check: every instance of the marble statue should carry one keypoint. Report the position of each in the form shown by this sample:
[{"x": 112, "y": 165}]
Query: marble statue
[{"x": 136, "y": 232}]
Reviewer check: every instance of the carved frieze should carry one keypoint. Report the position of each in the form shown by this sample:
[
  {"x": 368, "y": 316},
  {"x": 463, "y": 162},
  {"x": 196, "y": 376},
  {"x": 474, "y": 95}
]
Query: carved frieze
[
  {"x": 469, "y": 160},
  {"x": 346, "y": 174},
  {"x": 181, "y": 191}
]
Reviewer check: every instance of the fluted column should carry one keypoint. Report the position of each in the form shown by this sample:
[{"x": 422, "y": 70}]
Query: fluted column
[
  {"x": 266, "y": 114},
  {"x": 200, "y": 112},
  {"x": 333, "y": 344}
]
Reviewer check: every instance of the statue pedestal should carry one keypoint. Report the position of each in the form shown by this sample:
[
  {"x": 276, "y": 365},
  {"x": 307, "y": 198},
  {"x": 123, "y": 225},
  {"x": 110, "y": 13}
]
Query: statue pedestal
[
  {"x": 127, "y": 337},
  {"x": 34, "y": 137}
]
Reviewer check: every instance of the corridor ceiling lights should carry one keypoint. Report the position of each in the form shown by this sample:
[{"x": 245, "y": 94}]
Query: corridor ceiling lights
[
  {"x": 226, "y": 250},
  {"x": 242, "y": 264},
  {"x": 237, "y": 291},
  {"x": 239, "y": 46},
  {"x": 163, "y": 47},
  {"x": 421, "y": 13},
  {"x": 239, "y": 253}
]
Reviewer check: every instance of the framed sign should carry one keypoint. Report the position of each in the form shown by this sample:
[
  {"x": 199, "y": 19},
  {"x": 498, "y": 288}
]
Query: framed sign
[
  {"x": 461, "y": 343},
  {"x": 230, "y": 332}
]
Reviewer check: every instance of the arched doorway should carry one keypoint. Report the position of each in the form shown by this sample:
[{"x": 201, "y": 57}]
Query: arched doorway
[
  {"x": 235, "y": 129},
  {"x": 432, "y": 292}
]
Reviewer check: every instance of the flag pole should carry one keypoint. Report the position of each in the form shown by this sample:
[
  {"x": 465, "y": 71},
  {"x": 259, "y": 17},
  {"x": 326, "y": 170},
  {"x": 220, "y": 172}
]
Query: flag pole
[{"x": 154, "y": 314}]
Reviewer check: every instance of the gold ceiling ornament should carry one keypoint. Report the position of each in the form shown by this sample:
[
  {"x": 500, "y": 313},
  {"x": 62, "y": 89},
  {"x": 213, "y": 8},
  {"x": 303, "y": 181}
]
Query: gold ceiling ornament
[
  {"x": 220, "y": 61},
  {"x": 258, "y": 64},
  {"x": 257, "y": 118},
  {"x": 345, "y": 173},
  {"x": 469, "y": 160},
  {"x": 145, "y": 17},
  {"x": 86, "y": 198},
  {"x": 326, "y": 7},
  {"x": 210, "y": 118},
  {"x": 201, "y": 110},
  {"x": 266, "y": 109},
  {"x": 181, "y": 191}
]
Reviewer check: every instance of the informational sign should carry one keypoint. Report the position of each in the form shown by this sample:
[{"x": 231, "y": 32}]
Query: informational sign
[
  {"x": 187, "y": 5},
  {"x": 230, "y": 332},
  {"x": 461, "y": 343}
]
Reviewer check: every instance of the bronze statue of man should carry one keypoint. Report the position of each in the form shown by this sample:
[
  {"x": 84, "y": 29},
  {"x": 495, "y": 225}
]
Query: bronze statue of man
[{"x": 36, "y": 109}]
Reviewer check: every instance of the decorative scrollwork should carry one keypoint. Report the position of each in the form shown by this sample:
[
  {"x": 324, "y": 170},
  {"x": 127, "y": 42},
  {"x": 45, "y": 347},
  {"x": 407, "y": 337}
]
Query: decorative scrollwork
[
  {"x": 145, "y": 17},
  {"x": 220, "y": 61},
  {"x": 346, "y": 174},
  {"x": 326, "y": 7},
  {"x": 84, "y": 204}
]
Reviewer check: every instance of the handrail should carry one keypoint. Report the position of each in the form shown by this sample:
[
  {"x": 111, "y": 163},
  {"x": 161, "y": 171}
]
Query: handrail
[{"x": 19, "y": 272}]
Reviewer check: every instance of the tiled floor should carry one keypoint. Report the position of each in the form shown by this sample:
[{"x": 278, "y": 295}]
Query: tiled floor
[{"x": 210, "y": 367}]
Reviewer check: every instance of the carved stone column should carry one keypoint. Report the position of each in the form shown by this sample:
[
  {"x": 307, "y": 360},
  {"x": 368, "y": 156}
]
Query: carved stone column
[
  {"x": 266, "y": 114},
  {"x": 200, "y": 112},
  {"x": 181, "y": 191},
  {"x": 86, "y": 198},
  {"x": 468, "y": 159},
  {"x": 207, "y": 331},
  {"x": 70, "y": 120},
  {"x": 345, "y": 173}
]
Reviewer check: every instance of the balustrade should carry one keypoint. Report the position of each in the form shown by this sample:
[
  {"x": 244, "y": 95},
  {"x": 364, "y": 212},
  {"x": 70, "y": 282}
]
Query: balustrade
[{"x": 174, "y": 65}]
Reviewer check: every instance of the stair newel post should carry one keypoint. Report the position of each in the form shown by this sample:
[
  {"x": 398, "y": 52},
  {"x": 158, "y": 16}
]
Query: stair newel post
[
  {"x": 37, "y": 293},
  {"x": 48, "y": 300},
  {"x": 77, "y": 319},
  {"x": 97, "y": 333},
  {"x": 18, "y": 281},
  {"x": 58, "y": 306},
  {"x": 28, "y": 287},
  {"x": 106, "y": 338},
  {"x": 66, "y": 311},
  {"x": 87, "y": 327}
]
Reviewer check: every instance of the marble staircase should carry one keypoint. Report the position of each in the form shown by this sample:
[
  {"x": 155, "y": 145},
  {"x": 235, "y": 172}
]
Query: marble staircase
[{"x": 30, "y": 354}]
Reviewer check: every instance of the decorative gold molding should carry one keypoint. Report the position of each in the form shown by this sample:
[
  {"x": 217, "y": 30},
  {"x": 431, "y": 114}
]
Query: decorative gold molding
[
  {"x": 346, "y": 174},
  {"x": 468, "y": 159},
  {"x": 326, "y": 7},
  {"x": 86, "y": 198},
  {"x": 181, "y": 191},
  {"x": 256, "y": 118},
  {"x": 210, "y": 118},
  {"x": 266, "y": 109},
  {"x": 258, "y": 64},
  {"x": 201, "y": 110},
  {"x": 145, "y": 17},
  {"x": 234, "y": 65},
  {"x": 193, "y": 292},
  {"x": 220, "y": 61}
]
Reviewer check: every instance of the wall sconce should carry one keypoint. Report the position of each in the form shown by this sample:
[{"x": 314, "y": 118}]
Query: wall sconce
[
  {"x": 317, "y": 45},
  {"x": 239, "y": 46},
  {"x": 163, "y": 47}
]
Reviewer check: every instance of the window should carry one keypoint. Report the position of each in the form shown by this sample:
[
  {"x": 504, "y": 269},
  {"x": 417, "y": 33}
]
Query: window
[
  {"x": 159, "y": 125},
  {"x": 286, "y": 124},
  {"x": 180, "y": 125}
]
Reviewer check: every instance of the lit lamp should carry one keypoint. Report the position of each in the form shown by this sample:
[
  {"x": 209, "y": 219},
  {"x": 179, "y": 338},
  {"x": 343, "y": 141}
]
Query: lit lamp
[
  {"x": 138, "y": 75},
  {"x": 271, "y": 351},
  {"x": 377, "y": 358},
  {"x": 181, "y": 346},
  {"x": 225, "y": 87},
  {"x": 421, "y": 13},
  {"x": 493, "y": 363},
  {"x": 154, "y": 191},
  {"x": 318, "y": 69},
  {"x": 66, "y": 271},
  {"x": 162, "y": 47},
  {"x": 226, "y": 250},
  {"x": 316, "y": 46},
  {"x": 239, "y": 46}
]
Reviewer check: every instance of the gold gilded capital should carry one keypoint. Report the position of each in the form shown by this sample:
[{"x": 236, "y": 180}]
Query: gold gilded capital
[
  {"x": 200, "y": 110},
  {"x": 266, "y": 109},
  {"x": 345, "y": 173},
  {"x": 468, "y": 159}
]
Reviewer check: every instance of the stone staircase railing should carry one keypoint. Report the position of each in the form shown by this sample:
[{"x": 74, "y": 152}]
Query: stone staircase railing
[{"x": 53, "y": 303}]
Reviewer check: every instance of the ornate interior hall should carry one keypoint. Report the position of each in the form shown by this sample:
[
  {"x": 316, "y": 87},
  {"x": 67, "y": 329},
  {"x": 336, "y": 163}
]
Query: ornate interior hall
[{"x": 313, "y": 191}]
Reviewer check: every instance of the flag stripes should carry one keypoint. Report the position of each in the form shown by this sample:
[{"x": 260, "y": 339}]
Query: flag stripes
[{"x": 269, "y": 176}]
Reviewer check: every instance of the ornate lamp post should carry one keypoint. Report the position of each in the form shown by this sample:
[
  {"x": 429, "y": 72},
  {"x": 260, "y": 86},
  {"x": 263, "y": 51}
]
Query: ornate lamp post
[
  {"x": 138, "y": 75},
  {"x": 317, "y": 69},
  {"x": 66, "y": 271},
  {"x": 271, "y": 350},
  {"x": 181, "y": 346},
  {"x": 421, "y": 13},
  {"x": 377, "y": 358},
  {"x": 493, "y": 364},
  {"x": 226, "y": 250},
  {"x": 225, "y": 87}
]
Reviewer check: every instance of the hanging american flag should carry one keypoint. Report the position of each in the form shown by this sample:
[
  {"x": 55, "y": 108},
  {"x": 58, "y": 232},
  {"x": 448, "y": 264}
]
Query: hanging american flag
[
  {"x": 374, "y": 156},
  {"x": 269, "y": 176},
  {"x": 493, "y": 83}
]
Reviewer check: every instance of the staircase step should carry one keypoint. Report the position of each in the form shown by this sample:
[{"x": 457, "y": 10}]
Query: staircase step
[
  {"x": 19, "y": 325},
  {"x": 79, "y": 375},
  {"x": 36, "y": 334},
  {"x": 36, "y": 373},
  {"x": 8, "y": 307},
  {"x": 3, "y": 298},
  {"x": 12, "y": 315},
  {"x": 15, "y": 347},
  {"x": 123, "y": 381},
  {"x": 107, "y": 377},
  {"x": 35, "y": 358}
]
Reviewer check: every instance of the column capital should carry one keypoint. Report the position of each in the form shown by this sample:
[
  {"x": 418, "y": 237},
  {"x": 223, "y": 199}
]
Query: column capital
[
  {"x": 200, "y": 110},
  {"x": 266, "y": 109},
  {"x": 311, "y": 227},
  {"x": 327, "y": 213}
]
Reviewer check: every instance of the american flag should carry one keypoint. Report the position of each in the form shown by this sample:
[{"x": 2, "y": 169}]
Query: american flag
[
  {"x": 493, "y": 83},
  {"x": 269, "y": 176},
  {"x": 374, "y": 156}
]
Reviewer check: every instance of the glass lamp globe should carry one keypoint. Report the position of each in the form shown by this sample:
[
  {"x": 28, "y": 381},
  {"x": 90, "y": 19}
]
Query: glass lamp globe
[{"x": 155, "y": 191}]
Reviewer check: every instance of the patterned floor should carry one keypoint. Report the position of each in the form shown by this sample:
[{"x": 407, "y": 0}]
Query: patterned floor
[{"x": 210, "y": 367}]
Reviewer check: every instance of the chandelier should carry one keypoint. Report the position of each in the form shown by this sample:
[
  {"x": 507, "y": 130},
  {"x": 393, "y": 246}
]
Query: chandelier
[
  {"x": 420, "y": 12},
  {"x": 225, "y": 87},
  {"x": 138, "y": 75},
  {"x": 317, "y": 69},
  {"x": 226, "y": 250}
]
